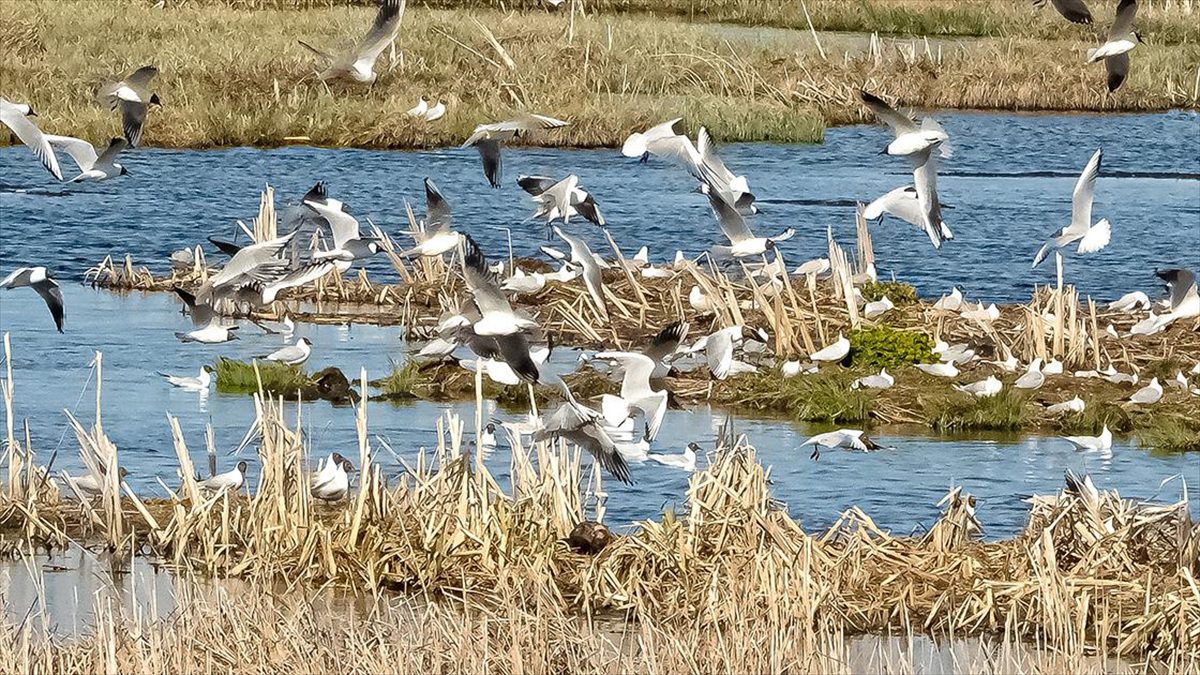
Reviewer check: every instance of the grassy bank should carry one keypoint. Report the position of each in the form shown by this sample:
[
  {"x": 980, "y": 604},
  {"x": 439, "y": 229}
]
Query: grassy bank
[{"x": 232, "y": 73}]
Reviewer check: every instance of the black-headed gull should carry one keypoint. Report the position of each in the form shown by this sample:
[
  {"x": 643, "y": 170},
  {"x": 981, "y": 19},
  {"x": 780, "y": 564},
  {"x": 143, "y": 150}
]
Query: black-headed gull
[
  {"x": 1122, "y": 38},
  {"x": 134, "y": 97},
  {"x": 487, "y": 139},
  {"x": 358, "y": 65}
]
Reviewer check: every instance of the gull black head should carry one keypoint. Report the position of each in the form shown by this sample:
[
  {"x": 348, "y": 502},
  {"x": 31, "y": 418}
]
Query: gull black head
[
  {"x": 490, "y": 428},
  {"x": 306, "y": 341},
  {"x": 122, "y": 472},
  {"x": 241, "y": 467},
  {"x": 770, "y": 245},
  {"x": 31, "y": 112},
  {"x": 694, "y": 447},
  {"x": 208, "y": 369}
]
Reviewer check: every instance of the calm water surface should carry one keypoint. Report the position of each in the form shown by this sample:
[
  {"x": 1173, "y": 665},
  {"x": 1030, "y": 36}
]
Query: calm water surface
[{"x": 1009, "y": 184}]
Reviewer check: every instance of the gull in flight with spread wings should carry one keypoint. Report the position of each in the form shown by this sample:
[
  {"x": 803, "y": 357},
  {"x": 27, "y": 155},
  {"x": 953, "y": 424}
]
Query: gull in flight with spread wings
[
  {"x": 1091, "y": 237},
  {"x": 359, "y": 65}
]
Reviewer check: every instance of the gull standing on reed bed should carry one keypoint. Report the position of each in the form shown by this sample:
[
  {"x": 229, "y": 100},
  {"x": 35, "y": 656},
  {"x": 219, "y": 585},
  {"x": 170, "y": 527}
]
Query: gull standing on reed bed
[
  {"x": 685, "y": 461},
  {"x": 584, "y": 427},
  {"x": 426, "y": 112},
  {"x": 88, "y": 485},
  {"x": 917, "y": 144},
  {"x": 593, "y": 279},
  {"x": 1075, "y": 405},
  {"x": 435, "y": 236},
  {"x": 636, "y": 393},
  {"x": 230, "y": 480},
  {"x": 881, "y": 381},
  {"x": 559, "y": 200},
  {"x": 41, "y": 281},
  {"x": 134, "y": 97},
  {"x": 1075, "y": 11},
  {"x": 92, "y": 166},
  {"x": 1032, "y": 378},
  {"x": 833, "y": 352},
  {"x": 851, "y": 439},
  {"x": 499, "y": 332},
  {"x": 1091, "y": 237},
  {"x": 1184, "y": 299},
  {"x": 1101, "y": 442},
  {"x": 983, "y": 388},
  {"x": 1130, "y": 302},
  {"x": 937, "y": 369},
  {"x": 292, "y": 355},
  {"x": 1148, "y": 394},
  {"x": 16, "y": 116},
  {"x": 332, "y": 483},
  {"x": 198, "y": 383},
  {"x": 1122, "y": 38},
  {"x": 487, "y": 139},
  {"x": 359, "y": 64}
]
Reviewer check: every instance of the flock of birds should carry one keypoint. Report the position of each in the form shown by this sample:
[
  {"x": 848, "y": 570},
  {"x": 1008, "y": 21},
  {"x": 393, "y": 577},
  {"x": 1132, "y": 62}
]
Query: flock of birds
[{"x": 508, "y": 344}]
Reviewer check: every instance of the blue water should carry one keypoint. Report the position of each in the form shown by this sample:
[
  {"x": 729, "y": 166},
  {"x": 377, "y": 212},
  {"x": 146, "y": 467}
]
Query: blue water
[
  {"x": 899, "y": 487},
  {"x": 1009, "y": 185}
]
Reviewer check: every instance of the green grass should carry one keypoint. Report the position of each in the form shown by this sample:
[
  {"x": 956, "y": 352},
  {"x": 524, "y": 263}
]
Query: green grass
[
  {"x": 811, "y": 398},
  {"x": 884, "y": 346},
  {"x": 403, "y": 382},
  {"x": 1003, "y": 412},
  {"x": 238, "y": 377},
  {"x": 1172, "y": 435},
  {"x": 1094, "y": 418},
  {"x": 232, "y": 72},
  {"x": 898, "y": 292}
]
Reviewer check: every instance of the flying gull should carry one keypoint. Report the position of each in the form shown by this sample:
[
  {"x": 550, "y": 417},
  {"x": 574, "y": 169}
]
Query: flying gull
[
  {"x": 358, "y": 65},
  {"x": 92, "y": 166},
  {"x": 134, "y": 97},
  {"x": 582, "y": 257},
  {"x": 1091, "y": 237},
  {"x": 851, "y": 439},
  {"x": 1122, "y": 38},
  {"x": 41, "y": 281},
  {"x": 16, "y": 116},
  {"x": 487, "y": 139},
  {"x": 584, "y": 427},
  {"x": 636, "y": 393},
  {"x": 1075, "y": 11},
  {"x": 559, "y": 200}
]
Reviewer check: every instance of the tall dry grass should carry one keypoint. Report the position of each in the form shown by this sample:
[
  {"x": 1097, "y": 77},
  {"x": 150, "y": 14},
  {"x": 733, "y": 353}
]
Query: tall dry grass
[
  {"x": 235, "y": 76},
  {"x": 732, "y": 578}
]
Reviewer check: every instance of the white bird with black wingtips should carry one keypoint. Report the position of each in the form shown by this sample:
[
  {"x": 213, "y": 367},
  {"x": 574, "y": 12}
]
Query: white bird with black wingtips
[
  {"x": 487, "y": 139},
  {"x": 41, "y": 281},
  {"x": 636, "y": 393},
  {"x": 358, "y": 65},
  {"x": 16, "y": 116},
  {"x": 292, "y": 355},
  {"x": 851, "y": 439},
  {"x": 1091, "y": 237},
  {"x": 92, "y": 166}
]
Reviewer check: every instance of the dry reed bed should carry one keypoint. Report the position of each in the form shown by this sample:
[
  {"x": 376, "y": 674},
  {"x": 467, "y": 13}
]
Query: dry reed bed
[
  {"x": 800, "y": 316},
  {"x": 1090, "y": 572},
  {"x": 220, "y": 89}
]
